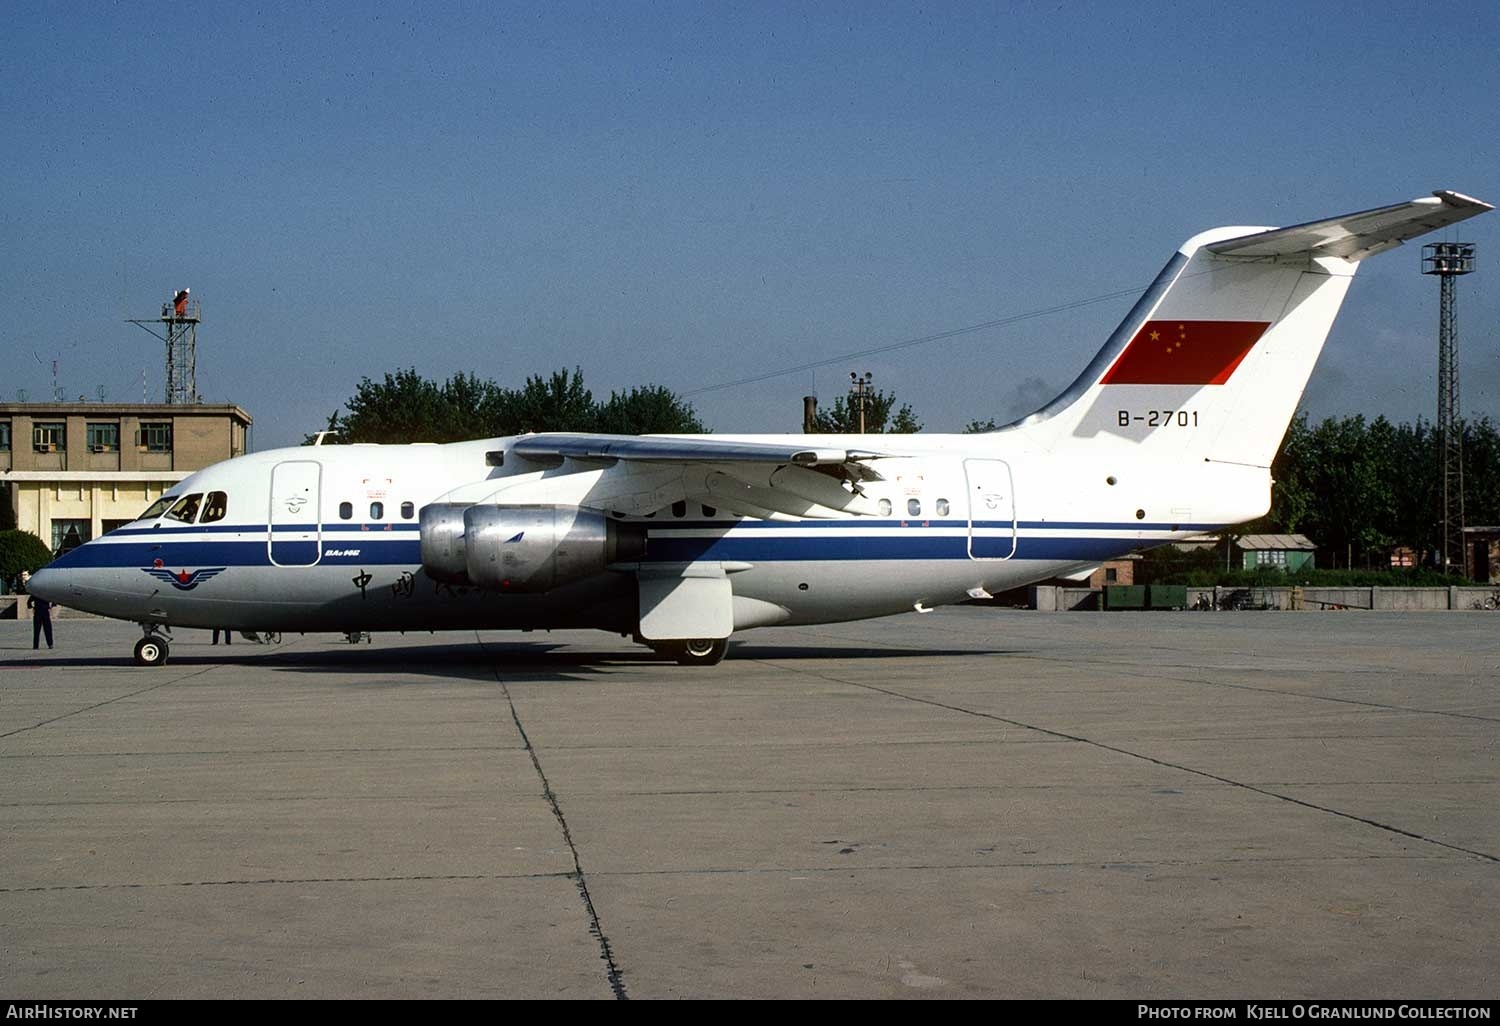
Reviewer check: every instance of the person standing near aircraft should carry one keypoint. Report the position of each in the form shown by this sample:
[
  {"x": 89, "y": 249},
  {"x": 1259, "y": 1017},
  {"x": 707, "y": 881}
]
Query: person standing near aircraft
[
  {"x": 228, "y": 635},
  {"x": 41, "y": 615}
]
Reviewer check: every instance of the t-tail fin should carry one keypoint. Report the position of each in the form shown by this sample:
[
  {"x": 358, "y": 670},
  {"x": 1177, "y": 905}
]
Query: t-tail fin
[{"x": 1211, "y": 363}]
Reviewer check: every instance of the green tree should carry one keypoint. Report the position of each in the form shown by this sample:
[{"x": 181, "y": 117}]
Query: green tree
[
  {"x": 648, "y": 410},
  {"x": 21, "y": 550},
  {"x": 556, "y": 403},
  {"x": 406, "y": 407},
  {"x": 1361, "y": 488}
]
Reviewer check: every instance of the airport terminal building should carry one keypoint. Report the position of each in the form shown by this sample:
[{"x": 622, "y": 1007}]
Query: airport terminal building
[{"x": 70, "y": 472}]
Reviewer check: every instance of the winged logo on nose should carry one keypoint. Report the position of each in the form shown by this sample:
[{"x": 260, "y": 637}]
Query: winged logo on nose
[{"x": 182, "y": 580}]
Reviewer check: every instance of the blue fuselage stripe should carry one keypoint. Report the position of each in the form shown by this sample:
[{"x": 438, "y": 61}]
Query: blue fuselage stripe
[{"x": 668, "y": 548}]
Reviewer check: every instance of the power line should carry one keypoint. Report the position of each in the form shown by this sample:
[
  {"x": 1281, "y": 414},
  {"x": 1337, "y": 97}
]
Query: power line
[{"x": 920, "y": 340}]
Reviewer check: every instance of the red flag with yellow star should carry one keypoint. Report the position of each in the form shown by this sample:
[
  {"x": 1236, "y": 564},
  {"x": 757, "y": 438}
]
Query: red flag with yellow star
[{"x": 1185, "y": 352}]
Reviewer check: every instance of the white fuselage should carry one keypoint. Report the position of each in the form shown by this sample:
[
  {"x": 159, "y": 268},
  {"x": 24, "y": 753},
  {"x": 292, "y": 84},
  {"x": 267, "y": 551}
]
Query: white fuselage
[{"x": 949, "y": 517}]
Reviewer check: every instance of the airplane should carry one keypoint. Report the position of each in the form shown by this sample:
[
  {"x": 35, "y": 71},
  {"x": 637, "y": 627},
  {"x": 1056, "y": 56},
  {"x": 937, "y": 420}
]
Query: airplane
[{"x": 680, "y": 541}]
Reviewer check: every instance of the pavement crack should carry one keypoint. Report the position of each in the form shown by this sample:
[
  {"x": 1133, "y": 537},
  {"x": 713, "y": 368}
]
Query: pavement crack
[
  {"x": 282, "y": 881},
  {"x": 1266, "y": 792},
  {"x": 606, "y": 952},
  {"x": 108, "y": 701}
]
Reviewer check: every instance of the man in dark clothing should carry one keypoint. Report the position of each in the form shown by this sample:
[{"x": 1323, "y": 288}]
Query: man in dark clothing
[
  {"x": 41, "y": 620},
  {"x": 227, "y": 637}
]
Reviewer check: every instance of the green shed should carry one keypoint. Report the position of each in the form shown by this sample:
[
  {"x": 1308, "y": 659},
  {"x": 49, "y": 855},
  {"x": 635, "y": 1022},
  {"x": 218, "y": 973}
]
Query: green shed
[{"x": 1289, "y": 552}]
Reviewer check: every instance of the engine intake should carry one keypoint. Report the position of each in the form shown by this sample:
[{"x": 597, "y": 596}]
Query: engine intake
[
  {"x": 536, "y": 548},
  {"x": 443, "y": 542}
]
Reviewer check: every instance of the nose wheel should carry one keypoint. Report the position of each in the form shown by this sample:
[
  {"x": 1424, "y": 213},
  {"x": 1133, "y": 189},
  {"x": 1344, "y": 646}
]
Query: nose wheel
[{"x": 151, "y": 650}]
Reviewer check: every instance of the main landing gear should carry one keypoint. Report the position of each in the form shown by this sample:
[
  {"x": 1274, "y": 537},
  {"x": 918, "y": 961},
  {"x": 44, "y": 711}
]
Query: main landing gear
[
  {"x": 695, "y": 651},
  {"x": 153, "y": 648}
]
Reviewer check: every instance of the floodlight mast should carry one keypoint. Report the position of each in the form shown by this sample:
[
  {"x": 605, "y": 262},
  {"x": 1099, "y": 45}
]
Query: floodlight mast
[{"x": 1449, "y": 260}]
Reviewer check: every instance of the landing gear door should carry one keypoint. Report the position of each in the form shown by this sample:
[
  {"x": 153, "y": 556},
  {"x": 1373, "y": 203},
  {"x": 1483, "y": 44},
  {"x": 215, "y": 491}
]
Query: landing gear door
[
  {"x": 296, "y": 533},
  {"x": 992, "y": 509}
]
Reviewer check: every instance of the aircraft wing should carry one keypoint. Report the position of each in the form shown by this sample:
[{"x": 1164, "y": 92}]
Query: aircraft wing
[
  {"x": 1356, "y": 236},
  {"x": 697, "y": 449},
  {"x": 756, "y": 479}
]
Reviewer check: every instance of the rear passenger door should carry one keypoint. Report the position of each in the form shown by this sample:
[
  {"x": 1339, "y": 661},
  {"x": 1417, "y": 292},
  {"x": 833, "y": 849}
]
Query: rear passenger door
[{"x": 992, "y": 509}]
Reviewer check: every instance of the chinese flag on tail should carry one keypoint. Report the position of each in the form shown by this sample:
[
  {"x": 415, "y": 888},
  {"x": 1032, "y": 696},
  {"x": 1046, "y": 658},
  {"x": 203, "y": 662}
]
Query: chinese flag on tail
[{"x": 1185, "y": 352}]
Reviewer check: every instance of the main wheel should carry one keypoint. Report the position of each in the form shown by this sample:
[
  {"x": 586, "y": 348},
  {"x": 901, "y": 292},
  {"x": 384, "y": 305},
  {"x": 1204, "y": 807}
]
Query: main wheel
[
  {"x": 697, "y": 651},
  {"x": 150, "y": 652}
]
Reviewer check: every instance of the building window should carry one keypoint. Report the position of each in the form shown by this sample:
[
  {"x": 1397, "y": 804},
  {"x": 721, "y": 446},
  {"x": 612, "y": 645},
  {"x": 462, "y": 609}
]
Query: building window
[
  {"x": 4, "y": 436},
  {"x": 49, "y": 437},
  {"x": 156, "y": 437},
  {"x": 69, "y": 534},
  {"x": 104, "y": 437}
]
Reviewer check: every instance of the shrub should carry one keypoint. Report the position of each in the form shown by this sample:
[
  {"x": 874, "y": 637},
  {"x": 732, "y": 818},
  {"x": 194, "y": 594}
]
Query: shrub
[{"x": 21, "y": 550}]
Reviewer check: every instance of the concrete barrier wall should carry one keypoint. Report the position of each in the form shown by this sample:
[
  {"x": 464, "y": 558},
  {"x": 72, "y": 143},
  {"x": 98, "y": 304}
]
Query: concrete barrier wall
[
  {"x": 1350, "y": 598},
  {"x": 1411, "y": 598},
  {"x": 1474, "y": 598}
]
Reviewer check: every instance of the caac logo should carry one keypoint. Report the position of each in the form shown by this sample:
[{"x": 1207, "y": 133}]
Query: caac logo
[
  {"x": 182, "y": 580},
  {"x": 294, "y": 503}
]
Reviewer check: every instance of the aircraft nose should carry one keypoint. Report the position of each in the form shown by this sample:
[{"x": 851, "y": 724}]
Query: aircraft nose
[{"x": 47, "y": 584}]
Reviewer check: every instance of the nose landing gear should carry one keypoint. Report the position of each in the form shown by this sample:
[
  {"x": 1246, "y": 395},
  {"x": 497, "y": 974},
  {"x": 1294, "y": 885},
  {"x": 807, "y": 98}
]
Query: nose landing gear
[{"x": 153, "y": 648}]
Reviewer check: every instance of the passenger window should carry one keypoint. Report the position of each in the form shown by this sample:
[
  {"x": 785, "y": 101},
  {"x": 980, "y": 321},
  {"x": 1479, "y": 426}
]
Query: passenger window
[
  {"x": 215, "y": 508},
  {"x": 913, "y": 507},
  {"x": 408, "y": 511},
  {"x": 346, "y": 511},
  {"x": 710, "y": 511},
  {"x": 679, "y": 508},
  {"x": 377, "y": 511},
  {"x": 187, "y": 510},
  {"x": 885, "y": 507},
  {"x": 942, "y": 507}
]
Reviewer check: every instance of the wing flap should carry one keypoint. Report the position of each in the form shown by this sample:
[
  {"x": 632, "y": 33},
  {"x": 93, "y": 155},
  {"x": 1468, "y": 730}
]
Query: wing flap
[
  {"x": 692, "y": 450},
  {"x": 696, "y": 449}
]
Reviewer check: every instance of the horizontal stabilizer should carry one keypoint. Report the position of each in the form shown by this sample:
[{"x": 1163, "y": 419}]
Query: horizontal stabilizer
[{"x": 1355, "y": 236}]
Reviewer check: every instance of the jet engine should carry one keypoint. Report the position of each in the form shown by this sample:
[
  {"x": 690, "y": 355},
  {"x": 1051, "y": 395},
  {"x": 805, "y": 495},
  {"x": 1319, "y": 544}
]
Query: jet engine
[
  {"x": 443, "y": 542},
  {"x": 535, "y": 548}
]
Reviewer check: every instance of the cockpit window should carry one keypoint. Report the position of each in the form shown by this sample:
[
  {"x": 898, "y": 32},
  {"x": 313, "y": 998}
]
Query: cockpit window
[
  {"x": 215, "y": 507},
  {"x": 187, "y": 509},
  {"x": 158, "y": 507}
]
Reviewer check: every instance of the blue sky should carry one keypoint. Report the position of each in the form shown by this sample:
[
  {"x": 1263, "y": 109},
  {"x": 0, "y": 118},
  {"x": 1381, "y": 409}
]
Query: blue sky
[{"x": 690, "y": 194}]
